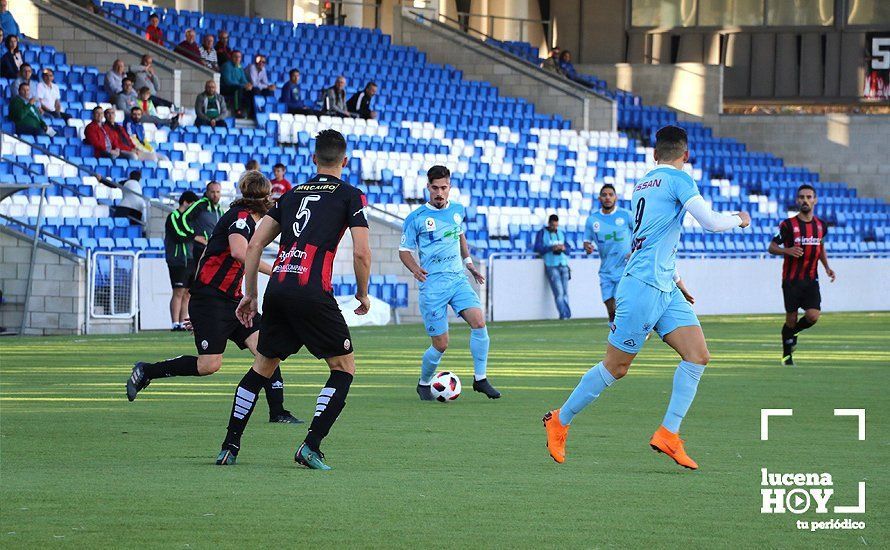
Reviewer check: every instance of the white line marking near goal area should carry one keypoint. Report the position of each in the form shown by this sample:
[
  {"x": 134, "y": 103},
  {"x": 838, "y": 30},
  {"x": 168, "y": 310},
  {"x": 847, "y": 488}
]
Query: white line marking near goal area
[
  {"x": 764, "y": 420},
  {"x": 854, "y": 412}
]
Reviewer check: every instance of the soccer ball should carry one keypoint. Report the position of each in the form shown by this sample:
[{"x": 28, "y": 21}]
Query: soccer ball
[{"x": 445, "y": 386}]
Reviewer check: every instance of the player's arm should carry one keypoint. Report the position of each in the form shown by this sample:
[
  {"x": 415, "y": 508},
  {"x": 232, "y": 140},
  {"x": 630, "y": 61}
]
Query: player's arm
[
  {"x": 682, "y": 286},
  {"x": 361, "y": 263},
  {"x": 406, "y": 250},
  {"x": 468, "y": 260},
  {"x": 238, "y": 249},
  {"x": 715, "y": 221},
  {"x": 265, "y": 234},
  {"x": 824, "y": 259},
  {"x": 776, "y": 249},
  {"x": 588, "y": 236}
]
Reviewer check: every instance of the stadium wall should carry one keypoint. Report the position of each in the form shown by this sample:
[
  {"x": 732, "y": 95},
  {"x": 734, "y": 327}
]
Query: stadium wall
[
  {"x": 720, "y": 287},
  {"x": 480, "y": 61},
  {"x": 88, "y": 39},
  {"x": 58, "y": 292}
]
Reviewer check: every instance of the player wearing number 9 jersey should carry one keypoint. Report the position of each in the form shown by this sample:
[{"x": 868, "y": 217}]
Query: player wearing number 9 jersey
[
  {"x": 299, "y": 307},
  {"x": 647, "y": 298}
]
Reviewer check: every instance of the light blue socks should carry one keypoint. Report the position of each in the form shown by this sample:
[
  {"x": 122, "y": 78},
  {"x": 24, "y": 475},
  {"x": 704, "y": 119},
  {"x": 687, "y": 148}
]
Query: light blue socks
[
  {"x": 479, "y": 350},
  {"x": 588, "y": 389},
  {"x": 431, "y": 358},
  {"x": 686, "y": 379}
]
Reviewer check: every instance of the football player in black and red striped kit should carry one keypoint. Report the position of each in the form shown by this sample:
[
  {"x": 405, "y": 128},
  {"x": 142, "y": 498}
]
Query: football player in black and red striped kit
[
  {"x": 801, "y": 239},
  {"x": 299, "y": 307},
  {"x": 215, "y": 295}
]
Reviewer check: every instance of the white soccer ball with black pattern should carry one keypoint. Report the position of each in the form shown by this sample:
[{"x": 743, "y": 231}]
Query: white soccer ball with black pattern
[{"x": 445, "y": 386}]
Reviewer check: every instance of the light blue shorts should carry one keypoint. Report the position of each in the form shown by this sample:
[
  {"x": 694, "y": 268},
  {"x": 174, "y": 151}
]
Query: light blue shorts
[
  {"x": 608, "y": 287},
  {"x": 640, "y": 308},
  {"x": 439, "y": 292}
]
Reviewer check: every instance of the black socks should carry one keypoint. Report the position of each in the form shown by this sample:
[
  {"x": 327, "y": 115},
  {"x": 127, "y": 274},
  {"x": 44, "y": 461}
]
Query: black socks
[
  {"x": 275, "y": 393},
  {"x": 184, "y": 365},
  {"x": 802, "y": 324},
  {"x": 330, "y": 402},
  {"x": 242, "y": 407}
]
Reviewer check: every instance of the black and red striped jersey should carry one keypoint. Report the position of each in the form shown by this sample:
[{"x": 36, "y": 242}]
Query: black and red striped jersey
[
  {"x": 313, "y": 218},
  {"x": 219, "y": 274},
  {"x": 810, "y": 236}
]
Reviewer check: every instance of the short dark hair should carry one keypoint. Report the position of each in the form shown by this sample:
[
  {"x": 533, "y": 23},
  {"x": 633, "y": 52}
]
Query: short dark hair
[
  {"x": 608, "y": 186},
  {"x": 553, "y": 218},
  {"x": 671, "y": 142},
  {"x": 135, "y": 175},
  {"x": 211, "y": 182},
  {"x": 292, "y": 71},
  {"x": 144, "y": 89},
  {"x": 188, "y": 196},
  {"x": 137, "y": 108},
  {"x": 437, "y": 172},
  {"x": 252, "y": 164},
  {"x": 22, "y": 68},
  {"x": 369, "y": 84},
  {"x": 97, "y": 107},
  {"x": 128, "y": 79},
  {"x": 23, "y": 84},
  {"x": 806, "y": 186},
  {"x": 330, "y": 148},
  {"x": 279, "y": 165},
  {"x": 153, "y": 15}
]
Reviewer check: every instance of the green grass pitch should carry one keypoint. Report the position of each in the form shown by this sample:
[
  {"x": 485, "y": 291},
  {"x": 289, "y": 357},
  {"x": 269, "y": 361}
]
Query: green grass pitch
[{"x": 82, "y": 467}]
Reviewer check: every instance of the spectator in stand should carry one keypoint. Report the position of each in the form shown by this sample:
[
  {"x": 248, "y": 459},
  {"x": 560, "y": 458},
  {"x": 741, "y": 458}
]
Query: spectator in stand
[
  {"x": 568, "y": 69},
  {"x": 127, "y": 98},
  {"x": 280, "y": 185},
  {"x": 7, "y": 21},
  {"x": 12, "y": 60},
  {"x": 114, "y": 79},
  {"x": 26, "y": 115},
  {"x": 208, "y": 53},
  {"x": 292, "y": 97},
  {"x": 360, "y": 102},
  {"x": 235, "y": 84},
  {"x": 146, "y": 77},
  {"x": 150, "y": 113},
  {"x": 333, "y": 99},
  {"x": 50, "y": 97},
  {"x": 189, "y": 47},
  {"x": 259, "y": 77},
  {"x": 134, "y": 127},
  {"x": 132, "y": 204},
  {"x": 153, "y": 32},
  {"x": 223, "y": 51},
  {"x": 252, "y": 164},
  {"x": 119, "y": 137},
  {"x": 210, "y": 107},
  {"x": 25, "y": 74},
  {"x": 551, "y": 64},
  {"x": 96, "y": 136}
]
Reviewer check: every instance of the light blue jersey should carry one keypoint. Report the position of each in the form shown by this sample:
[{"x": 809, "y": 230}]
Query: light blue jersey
[
  {"x": 659, "y": 204},
  {"x": 611, "y": 233},
  {"x": 436, "y": 235}
]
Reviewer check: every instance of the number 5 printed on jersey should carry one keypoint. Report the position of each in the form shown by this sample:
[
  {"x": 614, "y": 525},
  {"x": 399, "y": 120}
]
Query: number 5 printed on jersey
[{"x": 303, "y": 214}]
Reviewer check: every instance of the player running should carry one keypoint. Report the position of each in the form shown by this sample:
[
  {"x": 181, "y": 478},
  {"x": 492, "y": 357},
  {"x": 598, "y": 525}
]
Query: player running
[
  {"x": 610, "y": 228},
  {"x": 299, "y": 307},
  {"x": 801, "y": 239},
  {"x": 215, "y": 295},
  {"x": 647, "y": 297},
  {"x": 436, "y": 229}
]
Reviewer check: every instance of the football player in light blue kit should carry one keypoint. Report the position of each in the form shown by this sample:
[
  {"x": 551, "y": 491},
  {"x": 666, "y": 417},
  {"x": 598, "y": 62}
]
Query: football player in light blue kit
[
  {"x": 436, "y": 230},
  {"x": 609, "y": 231},
  {"x": 648, "y": 298}
]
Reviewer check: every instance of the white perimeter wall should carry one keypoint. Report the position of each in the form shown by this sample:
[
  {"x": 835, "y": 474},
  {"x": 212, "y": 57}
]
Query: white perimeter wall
[{"x": 520, "y": 291}]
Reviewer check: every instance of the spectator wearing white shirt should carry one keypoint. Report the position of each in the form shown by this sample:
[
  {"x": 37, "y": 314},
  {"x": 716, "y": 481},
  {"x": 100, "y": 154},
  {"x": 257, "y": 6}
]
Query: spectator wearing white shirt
[
  {"x": 131, "y": 204},
  {"x": 50, "y": 97},
  {"x": 208, "y": 53},
  {"x": 259, "y": 77}
]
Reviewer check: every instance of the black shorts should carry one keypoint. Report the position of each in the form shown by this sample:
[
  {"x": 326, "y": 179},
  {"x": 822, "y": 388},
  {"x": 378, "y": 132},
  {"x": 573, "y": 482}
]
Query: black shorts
[
  {"x": 289, "y": 325},
  {"x": 803, "y": 294},
  {"x": 213, "y": 322},
  {"x": 179, "y": 276}
]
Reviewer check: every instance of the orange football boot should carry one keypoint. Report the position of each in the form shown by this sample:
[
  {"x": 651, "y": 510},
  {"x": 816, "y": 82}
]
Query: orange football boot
[
  {"x": 669, "y": 443},
  {"x": 556, "y": 436}
]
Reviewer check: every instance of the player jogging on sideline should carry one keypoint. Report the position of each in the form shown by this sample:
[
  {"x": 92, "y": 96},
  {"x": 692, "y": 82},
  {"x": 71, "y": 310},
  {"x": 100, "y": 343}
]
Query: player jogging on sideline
[
  {"x": 215, "y": 295},
  {"x": 299, "y": 307},
  {"x": 648, "y": 298},
  {"x": 610, "y": 229},
  {"x": 436, "y": 229},
  {"x": 801, "y": 239}
]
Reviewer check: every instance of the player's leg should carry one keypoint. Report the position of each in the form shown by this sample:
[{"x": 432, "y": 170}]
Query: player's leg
[
  {"x": 184, "y": 306},
  {"x": 607, "y": 288},
  {"x": 175, "y": 306},
  {"x": 247, "y": 338},
  {"x": 328, "y": 407},
  {"x": 681, "y": 331},
  {"x": 434, "y": 311},
  {"x": 610, "y": 309},
  {"x": 243, "y": 404},
  {"x": 811, "y": 303},
  {"x": 466, "y": 303}
]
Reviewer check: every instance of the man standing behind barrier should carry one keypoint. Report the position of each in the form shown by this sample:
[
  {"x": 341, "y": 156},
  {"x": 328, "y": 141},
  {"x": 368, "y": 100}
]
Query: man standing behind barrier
[
  {"x": 177, "y": 250},
  {"x": 551, "y": 244}
]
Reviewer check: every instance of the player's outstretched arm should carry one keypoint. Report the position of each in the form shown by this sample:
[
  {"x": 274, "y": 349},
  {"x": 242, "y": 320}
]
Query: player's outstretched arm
[
  {"x": 361, "y": 263},
  {"x": 265, "y": 233},
  {"x": 412, "y": 265},
  {"x": 715, "y": 221},
  {"x": 468, "y": 260},
  {"x": 824, "y": 259}
]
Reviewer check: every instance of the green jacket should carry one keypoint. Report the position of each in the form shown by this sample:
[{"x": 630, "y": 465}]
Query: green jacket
[
  {"x": 201, "y": 217},
  {"x": 24, "y": 114}
]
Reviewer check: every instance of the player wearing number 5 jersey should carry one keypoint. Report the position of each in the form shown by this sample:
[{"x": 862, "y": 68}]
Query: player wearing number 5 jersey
[
  {"x": 299, "y": 307},
  {"x": 647, "y": 298}
]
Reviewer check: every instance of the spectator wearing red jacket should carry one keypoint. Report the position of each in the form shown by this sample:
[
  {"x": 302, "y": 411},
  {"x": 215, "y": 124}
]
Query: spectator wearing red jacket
[
  {"x": 280, "y": 185},
  {"x": 189, "y": 48},
  {"x": 153, "y": 33},
  {"x": 96, "y": 136},
  {"x": 223, "y": 51},
  {"x": 118, "y": 135}
]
